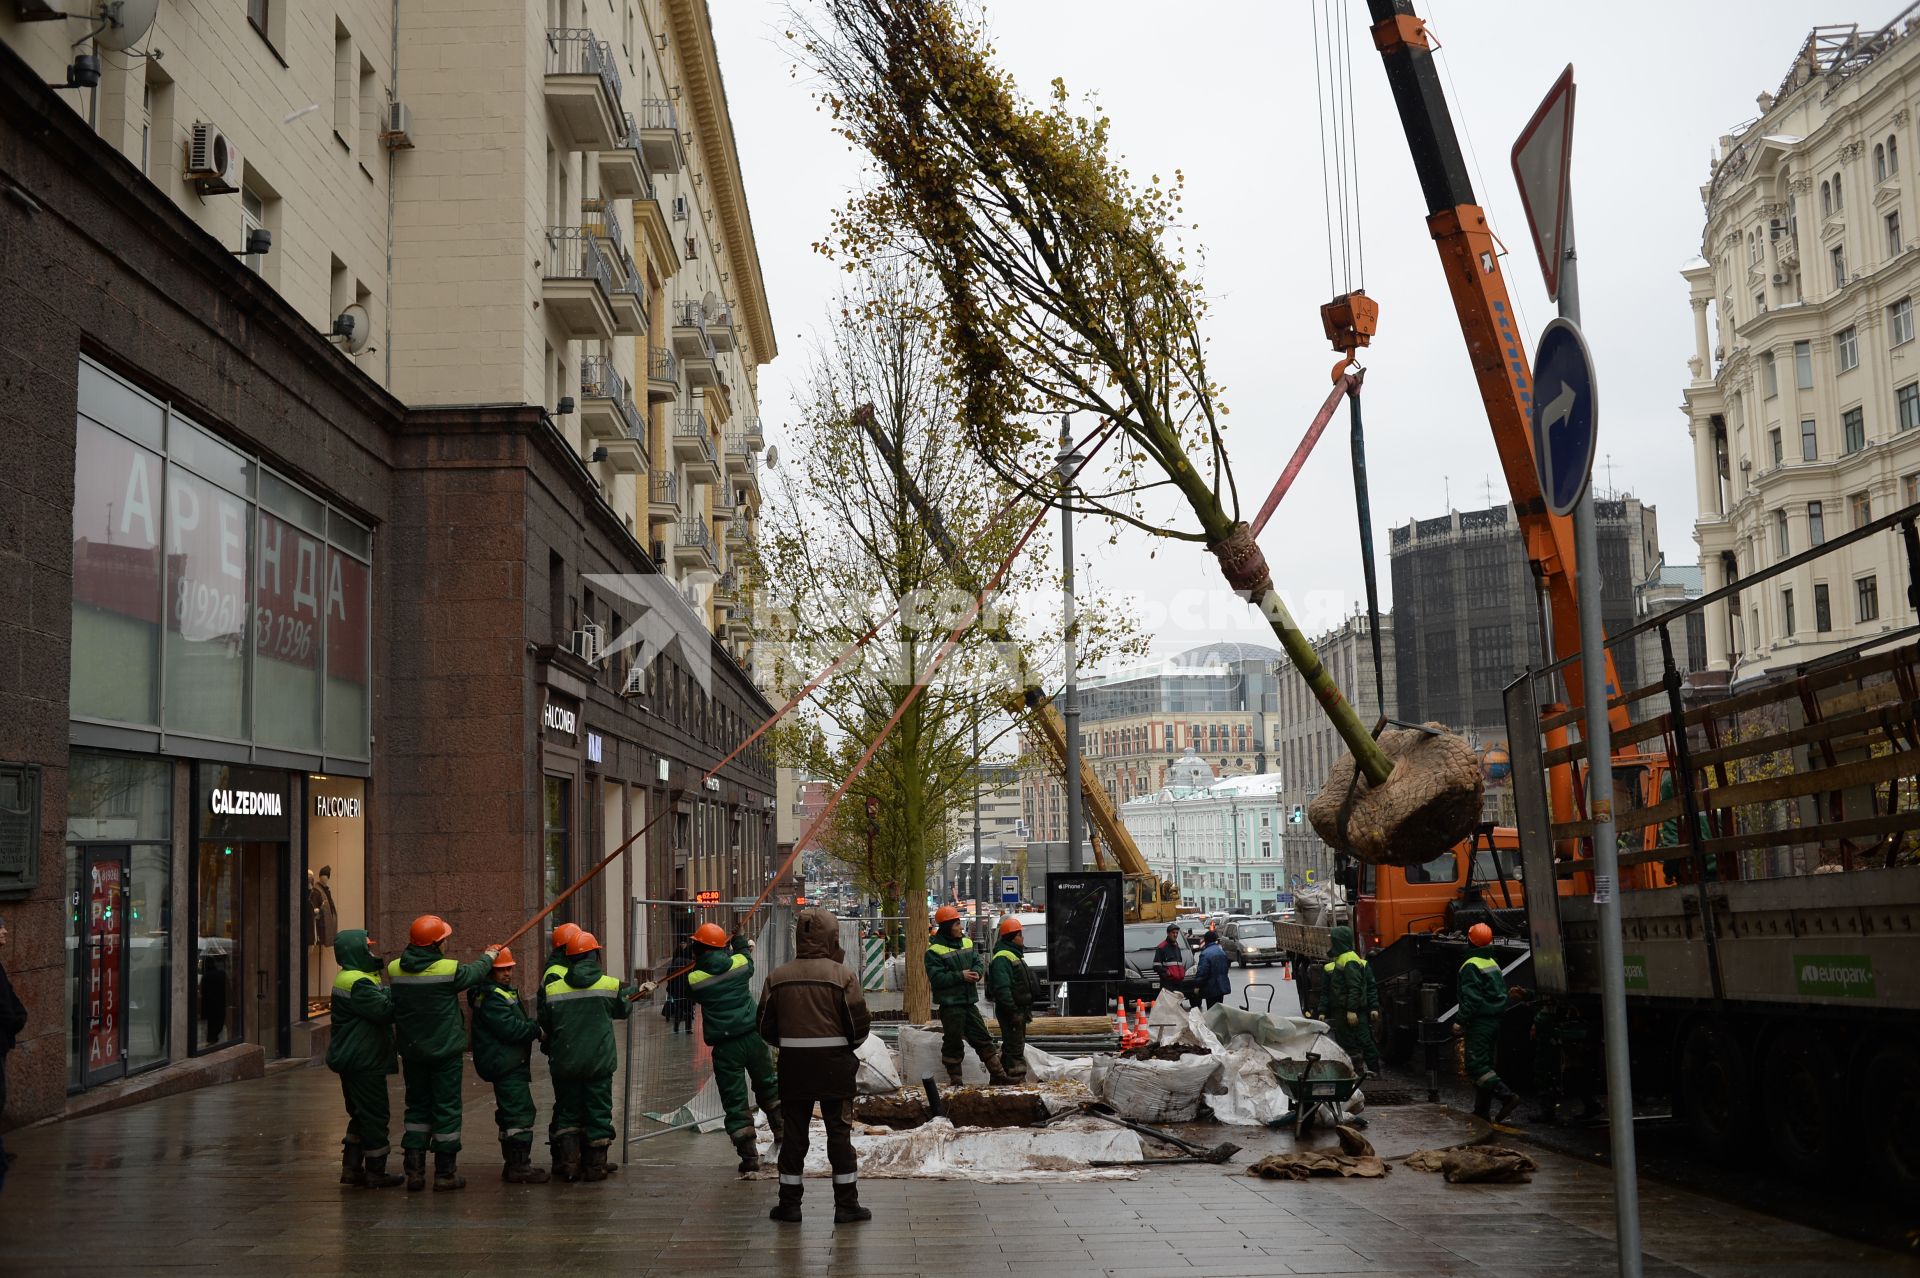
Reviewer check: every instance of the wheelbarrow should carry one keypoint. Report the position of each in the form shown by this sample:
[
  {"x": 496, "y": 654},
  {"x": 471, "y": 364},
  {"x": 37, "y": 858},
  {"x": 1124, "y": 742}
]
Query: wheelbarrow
[{"x": 1315, "y": 1087}]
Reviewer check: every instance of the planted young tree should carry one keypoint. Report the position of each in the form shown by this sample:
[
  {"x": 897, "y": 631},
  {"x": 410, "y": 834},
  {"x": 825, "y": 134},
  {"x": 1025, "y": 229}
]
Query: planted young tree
[{"x": 1064, "y": 286}]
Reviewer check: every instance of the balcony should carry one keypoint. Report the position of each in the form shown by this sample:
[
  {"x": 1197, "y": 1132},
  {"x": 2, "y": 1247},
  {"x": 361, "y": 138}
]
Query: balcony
[
  {"x": 739, "y": 624},
  {"x": 693, "y": 548},
  {"x": 663, "y": 375},
  {"x": 739, "y": 533},
  {"x": 603, "y": 400},
  {"x": 627, "y": 456},
  {"x": 626, "y": 295},
  {"x": 576, "y": 286},
  {"x": 739, "y": 456},
  {"x": 690, "y": 338},
  {"x": 663, "y": 497},
  {"x": 623, "y": 174},
  {"x": 750, "y": 429},
  {"x": 660, "y": 136},
  {"x": 720, "y": 330},
  {"x": 693, "y": 446},
  {"x": 583, "y": 91}
]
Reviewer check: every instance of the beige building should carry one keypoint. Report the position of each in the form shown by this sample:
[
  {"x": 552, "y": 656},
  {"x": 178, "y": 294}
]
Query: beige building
[
  {"x": 1305, "y": 746},
  {"x": 511, "y": 202},
  {"x": 1805, "y": 386}
]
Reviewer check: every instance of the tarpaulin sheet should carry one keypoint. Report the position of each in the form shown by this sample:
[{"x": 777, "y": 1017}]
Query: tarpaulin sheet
[{"x": 936, "y": 1150}]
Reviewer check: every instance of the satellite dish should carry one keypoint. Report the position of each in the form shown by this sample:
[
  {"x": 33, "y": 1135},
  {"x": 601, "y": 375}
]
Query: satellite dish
[
  {"x": 773, "y": 457},
  {"x": 355, "y": 329},
  {"x": 125, "y": 23}
]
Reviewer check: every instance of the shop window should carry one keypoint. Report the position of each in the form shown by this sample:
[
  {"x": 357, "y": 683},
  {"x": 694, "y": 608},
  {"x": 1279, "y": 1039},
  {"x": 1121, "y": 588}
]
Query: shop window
[
  {"x": 336, "y": 877},
  {"x": 117, "y": 565},
  {"x": 557, "y": 861},
  {"x": 207, "y": 609},
  {"x": 241, "y": 899},
  {"x": 287, "y": 642}
]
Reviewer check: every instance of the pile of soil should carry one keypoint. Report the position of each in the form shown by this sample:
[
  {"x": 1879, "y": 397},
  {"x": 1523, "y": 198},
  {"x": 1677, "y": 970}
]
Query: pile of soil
[
  {"x": 964, "y": 1107},
  {"x": 891, "y": 1014},
  {"x": 1172, "y": 1052}
]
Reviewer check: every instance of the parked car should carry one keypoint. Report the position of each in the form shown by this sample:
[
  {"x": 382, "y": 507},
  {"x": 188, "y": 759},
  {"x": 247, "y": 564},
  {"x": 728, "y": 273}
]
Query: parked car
[
  {"x": 1249, "y": 941},
  {"x": 1144, "y": 980}
]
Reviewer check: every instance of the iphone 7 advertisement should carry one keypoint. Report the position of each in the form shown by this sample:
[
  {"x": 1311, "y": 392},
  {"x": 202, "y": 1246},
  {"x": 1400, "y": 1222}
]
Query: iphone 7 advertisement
[{"x": 1083, "y": 927}]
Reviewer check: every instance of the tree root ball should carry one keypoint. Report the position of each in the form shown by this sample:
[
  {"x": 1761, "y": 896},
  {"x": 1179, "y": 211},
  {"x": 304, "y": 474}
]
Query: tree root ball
[{"x": 1430, "y": 803}]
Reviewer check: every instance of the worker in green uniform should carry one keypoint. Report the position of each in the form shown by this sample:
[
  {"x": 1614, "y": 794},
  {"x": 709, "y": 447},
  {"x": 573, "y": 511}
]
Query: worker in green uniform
[
  {"x": 578, "y": 1015},
  {"x": 953, "y": 970},
  {"x": 503, "y": 1037},
  {"x": 730, "y": 1023},
  {"x": 555, "y": 970},
  {"x": 1353, "y": 1001},
  {"x": 433, "y": 1042},
  {"x": 1012, "y": 996},
  {"x": 361, "y": 1053},
  {"x": 1483, "y": 997}
]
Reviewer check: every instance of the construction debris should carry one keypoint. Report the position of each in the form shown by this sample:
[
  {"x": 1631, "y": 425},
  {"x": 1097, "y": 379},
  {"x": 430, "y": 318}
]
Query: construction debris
[
  {"x": 1352, "y": 1142},
  {"x": 965, "y": 1106},
  {"x": 1475, "y": 1164},
  {"x": 1308, "y": 1163},
  {"x": 1172, "y": 1052}
]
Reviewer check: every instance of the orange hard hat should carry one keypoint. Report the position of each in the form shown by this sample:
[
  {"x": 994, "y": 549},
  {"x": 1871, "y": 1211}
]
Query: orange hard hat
[
  {"x": 582, "y": 943},
  {"x": 1480, "y": 934},
  {"x": 710, "y": 934},
  {"x": 429, "y": 929},
  {"x": 505, "y": 958},
  {"x": 1009, "y": 925},
  {"x": 945, "y": 914},
  {"x": 563, "y": 934}
]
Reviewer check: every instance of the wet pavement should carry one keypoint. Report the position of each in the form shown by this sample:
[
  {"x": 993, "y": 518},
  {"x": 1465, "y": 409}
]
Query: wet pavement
[{"x": 242, "y": 1177}]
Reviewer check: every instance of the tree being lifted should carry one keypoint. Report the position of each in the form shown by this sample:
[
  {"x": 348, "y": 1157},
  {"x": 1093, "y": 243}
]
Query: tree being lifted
[{"x": 1064, "y": 287}]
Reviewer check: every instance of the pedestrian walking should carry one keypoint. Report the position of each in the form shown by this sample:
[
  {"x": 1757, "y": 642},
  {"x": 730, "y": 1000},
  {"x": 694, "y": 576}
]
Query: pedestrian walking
[
  {"x": 812, "y": 1009},
  {"x": 953, "y": 970},
  {"x": 1353, "y": 1002},
  {"x": 1212, "y": 973},
  {"x": 678, "y": 1005},
  {"x": 578, "y": 1015},
  {"x": 1011, "y": 993},
  {"x": 432, "y": 1040},
  {"x": 722, "y": 971},
  {"x": 503, "y": 1038},
  {"x": 13, "y": 1019},
  {"x": 1483, "y": 997},
  {"x": 361, "y": 1052}
]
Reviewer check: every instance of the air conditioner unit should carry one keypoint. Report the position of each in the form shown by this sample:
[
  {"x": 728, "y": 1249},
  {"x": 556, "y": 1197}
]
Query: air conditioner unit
[
  {"x": 693, "y": 248},
  {"x": 398, "y": 135},
  {"x": 659, "y": 552},
  {"x": 636, "y": 684},
  {"x": 213, "y": 162},
  {"x": 587, "y": 643},
  {"x": 1746, "y": 463},
  {"x": 679, "y": 208},
  {"x": 1776, "y": 228},
  {"x": 1779, "y": 277}
]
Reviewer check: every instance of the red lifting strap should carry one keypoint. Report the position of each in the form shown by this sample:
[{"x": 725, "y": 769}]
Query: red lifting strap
[{"x": 1346, "y": 385}]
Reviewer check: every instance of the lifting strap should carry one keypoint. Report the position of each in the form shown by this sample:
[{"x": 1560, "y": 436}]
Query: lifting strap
[{"x": 1364, "y": 509}]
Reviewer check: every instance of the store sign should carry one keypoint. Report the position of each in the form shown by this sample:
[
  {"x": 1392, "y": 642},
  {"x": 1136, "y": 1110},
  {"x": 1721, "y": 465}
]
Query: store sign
[
  {"x": 595, "y": 747},
  {"x": 243, "y": 803},
  {"x": 336, "y": 805},
  {"x": 559, "y": 719}
]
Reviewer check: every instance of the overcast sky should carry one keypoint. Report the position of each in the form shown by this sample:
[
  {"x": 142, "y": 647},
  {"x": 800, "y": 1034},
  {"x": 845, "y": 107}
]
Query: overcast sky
[{"x": 1224, "y": 90}]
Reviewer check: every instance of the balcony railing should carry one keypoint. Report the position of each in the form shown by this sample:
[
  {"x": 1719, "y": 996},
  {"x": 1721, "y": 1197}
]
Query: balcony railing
[
  {"x": 658, "y": 113},
  {"x": 666, "y": 490},
  {"x": 661, "y": 364},
  {"x": 574, "y": 253},
  {"x": 599, "y": 379},
  {"x": 690, "y": 315},
  {"x": 695, "y": 533},
  {"x": 577, "y": 51},
  {"x": 691, "y": 423},
  {"x": 597, "y": 215}
]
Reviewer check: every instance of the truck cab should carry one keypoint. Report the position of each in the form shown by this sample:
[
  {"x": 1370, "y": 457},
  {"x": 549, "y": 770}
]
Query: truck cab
[{"x": 1475, "y": 877}]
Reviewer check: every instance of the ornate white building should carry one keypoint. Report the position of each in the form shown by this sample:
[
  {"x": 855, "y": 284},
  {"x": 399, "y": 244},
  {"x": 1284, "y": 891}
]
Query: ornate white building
[{"x": 1204, "y": 833}]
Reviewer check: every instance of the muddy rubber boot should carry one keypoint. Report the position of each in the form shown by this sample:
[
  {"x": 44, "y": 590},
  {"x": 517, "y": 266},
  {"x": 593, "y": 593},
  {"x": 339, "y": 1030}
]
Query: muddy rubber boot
[
  {"x": 415, "y": 1162},
  {"x": 996, "y": 1076},
  {"x": 594, "y": 1168},
  {"x": 776, "y": 1127},
  {"x": 378, "y": 1177},
  {"x": 954, "y": 1076},
  {"x": 788, "y": 1208},
  {"x": 1483, "y": 1102},
  {"x": 446, "y": 1174},
  {"x": 566, "y": 1157},
  {"x": 352, "y": 1164},
  {"x": 846, "y": 1205},
  {"x": 519, "y": 1169},
  {"x": 748, "y": 1148},
  {"x": 1509, "y": 1101}
]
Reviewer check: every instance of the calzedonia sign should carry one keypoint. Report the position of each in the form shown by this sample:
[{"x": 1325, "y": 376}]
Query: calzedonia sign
[
  {"x": 243, "y": 803},
  {"x": 246, "y": 802}
]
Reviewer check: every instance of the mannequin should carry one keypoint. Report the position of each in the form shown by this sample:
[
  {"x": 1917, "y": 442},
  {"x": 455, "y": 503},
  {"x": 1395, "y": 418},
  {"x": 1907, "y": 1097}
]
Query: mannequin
[{"x": 323, "y": 920}]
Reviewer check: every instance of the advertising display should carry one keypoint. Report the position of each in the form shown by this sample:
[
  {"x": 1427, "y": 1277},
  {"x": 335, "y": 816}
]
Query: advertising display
[{"x": 1084, "y": 935}]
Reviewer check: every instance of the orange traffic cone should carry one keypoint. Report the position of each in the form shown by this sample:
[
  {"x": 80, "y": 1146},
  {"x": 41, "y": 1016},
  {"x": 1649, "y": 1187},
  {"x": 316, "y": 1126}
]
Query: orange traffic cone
[
  {"x": 1286, "y": 970},
  {"x": 1120, "y": 1021}
]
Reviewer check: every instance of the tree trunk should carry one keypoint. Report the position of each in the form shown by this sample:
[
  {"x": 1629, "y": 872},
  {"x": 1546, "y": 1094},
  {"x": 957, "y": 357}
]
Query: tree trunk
[{"x": 919, "y": 995}]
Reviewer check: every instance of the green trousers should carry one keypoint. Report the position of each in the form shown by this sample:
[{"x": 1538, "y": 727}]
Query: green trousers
[
  {"x": 1013, "y": 1039},
  {"x": 962, "y": 1025},
  {"x": 1482, "y": 1034},
  {"x": 734, "y": 1062},
  {"x": 584, "y": 1107},
  {"x": 513, "y": 1106},
  {"x": 433, "y": 1103},
  {"x": 1356, "y": 1040},
  {"x": 365, "y": 1092}
]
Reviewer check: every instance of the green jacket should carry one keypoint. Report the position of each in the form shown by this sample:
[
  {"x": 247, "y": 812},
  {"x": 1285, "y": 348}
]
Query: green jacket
[
  {"x": 1007, "y": 985},
  {"x": 1483, "y": 989},
  {"x": 362, "y": 1041},
  {"x": 426, "y": 1006},
  {"x": 718, "y": 983},
  {"x": 555, "y": 970},
  {"x": 503, "y": 1033},
  {"x": 945, "y": 965},
  {"x": 578, "y": 1015},
  {"x": 1350, "y": 983}
]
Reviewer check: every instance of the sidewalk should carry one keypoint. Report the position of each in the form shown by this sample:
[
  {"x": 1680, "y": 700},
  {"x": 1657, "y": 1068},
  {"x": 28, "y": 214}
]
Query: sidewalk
[{"x": 242, "y": 1177}]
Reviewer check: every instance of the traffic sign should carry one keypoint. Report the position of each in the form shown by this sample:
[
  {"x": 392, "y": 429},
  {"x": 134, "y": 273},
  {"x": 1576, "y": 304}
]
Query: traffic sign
[
  {"x": 1285, "y": 898},
  {"x": 1565, "y": 415},
  {"x": 1541, "y": 159},
  {"x": 1009, "y": 889}
]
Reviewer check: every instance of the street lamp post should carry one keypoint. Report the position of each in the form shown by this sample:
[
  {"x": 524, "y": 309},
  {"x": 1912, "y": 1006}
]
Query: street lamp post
[
  {"x": 1069, "y": 462},
  {"x": 979, "y": 899},
  {"x": 1233, "y": 820},
  {"x": 1173, "y": 833}
]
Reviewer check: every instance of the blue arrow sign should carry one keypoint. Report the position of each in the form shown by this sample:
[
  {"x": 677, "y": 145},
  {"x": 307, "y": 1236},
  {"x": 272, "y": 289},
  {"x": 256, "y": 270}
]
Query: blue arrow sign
[{"x": 1565, "y": 416}]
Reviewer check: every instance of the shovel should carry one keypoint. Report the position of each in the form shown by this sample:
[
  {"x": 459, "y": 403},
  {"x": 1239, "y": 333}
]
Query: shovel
[{"x": 1198, "y": 1153}]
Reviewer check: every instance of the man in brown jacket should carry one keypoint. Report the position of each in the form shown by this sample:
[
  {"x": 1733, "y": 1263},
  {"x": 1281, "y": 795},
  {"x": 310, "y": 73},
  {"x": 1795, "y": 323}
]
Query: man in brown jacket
[{"x": 812, "y": 1010}]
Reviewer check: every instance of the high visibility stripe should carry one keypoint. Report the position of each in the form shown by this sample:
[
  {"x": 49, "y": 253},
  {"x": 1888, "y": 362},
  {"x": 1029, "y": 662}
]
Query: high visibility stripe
[
  {"x": 835, "y": 1040},
  {"x": 507, "y": 994},
  {"x": 519, "y": 1131},
  {"x": 452, "y": 1135},
  {"x": 554, "y": 996},
  {"x": 790, "y": 1180},
  {"x": 966, "y": 943},
  {"x": 1348, "y": 958},
  {"x": 845, "y": 1178},
  {"x": 568, "y": 1131},
  {"x": 554, "y": 972},
  {"x": 699, "y": 976},
  {"x": 1484, "y": 964},
  {"x": 419, "y": 1127},
  {"x": 1008, "y": 955},
  {"x": 438, "y": 971},
  {"x": 343, "y": 982}
]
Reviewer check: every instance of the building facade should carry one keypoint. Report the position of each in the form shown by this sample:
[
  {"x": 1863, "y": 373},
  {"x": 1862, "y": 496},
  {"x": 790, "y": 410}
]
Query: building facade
[
  {"x": 1217, "y": 700},
  {"x": 328, "y": 554},
  {"x": 1804, "y": 387},
  {"x": 1209, "y": 834},
  {"x": 1305, "y": 746}
]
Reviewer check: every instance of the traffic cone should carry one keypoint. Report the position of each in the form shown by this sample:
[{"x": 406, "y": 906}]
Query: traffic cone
[{"x": 1286, "y": 970}]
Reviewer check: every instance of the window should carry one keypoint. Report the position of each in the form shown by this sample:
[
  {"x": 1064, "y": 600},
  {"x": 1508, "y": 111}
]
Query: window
[
  {"x": 1838, "y": 256},
  {"x": 1907, "y": 406},
  {"x": 1773, "y": 438},
  {"x": 557, "y": 820},
  {"x": 1769, "y": 374},
  {"x": 370, "y": 113},
  {"x": 1786, "y": 612},
  {"x": 1866, "y": 599},
  {"x": 1753, "y": 246},
  {"x": 1759, "y": 303},
  {"x": 1893, "y": 155},
  {"x": 1782, "y": 537},
  {"x": 146, "y": 129},
  {"x": 1809, "y": 444},
  {"x": 1861, "y": 507},
  {"x": 1847, "y": 345},
  {"x": 1900, "y": 321},
  {"x": 1839, "y": 194},
  {"x": 253, "y": 217},
  {"x": 1803, "y": 365},
  {"x": 1822, "y": 608},
  {"x": 1853, "y": 431},
  {"x": 1826, "y": 199},
  {"x": 1816, "y": 525},
  {"x": 1879, "y": 162},
  {"x": 1910, "y": 489}
]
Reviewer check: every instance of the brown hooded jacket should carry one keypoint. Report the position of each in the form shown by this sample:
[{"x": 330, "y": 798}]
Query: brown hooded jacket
[{"x": 813, "y": 1011}]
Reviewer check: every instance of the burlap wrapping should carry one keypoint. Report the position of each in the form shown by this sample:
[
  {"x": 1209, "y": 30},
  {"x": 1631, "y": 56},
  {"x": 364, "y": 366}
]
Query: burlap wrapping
[{"x": 1430, "y": 803}]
